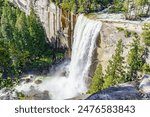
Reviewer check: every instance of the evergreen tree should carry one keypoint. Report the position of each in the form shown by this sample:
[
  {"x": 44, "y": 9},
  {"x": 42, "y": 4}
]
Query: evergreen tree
[
  {"x": 115, "y": 72},
  {"x": 6, "y": 28},
  {"x": 97, "y": 81},
  {"x": 82, "y": 5},
  {"x": 1, "y": 7},
  {"x": 38, "y": 43},
  {"x": 135, "y": 60},
  {"x": 146, "y": 34},
  {"x": 6, "y": 65}
]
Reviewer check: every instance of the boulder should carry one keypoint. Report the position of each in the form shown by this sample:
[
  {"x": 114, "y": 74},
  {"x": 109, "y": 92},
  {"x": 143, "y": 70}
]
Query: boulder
[
  {"x": 144, "y": 86},
  {"x": 126, "y": 91},
  {"x": 6, "y": 95},
  {"x": 38, "y": 81},
  {"x": 28, "y": 79},
  {"x": 41, "y": 96},
  {"x": 35, "y": 94}
]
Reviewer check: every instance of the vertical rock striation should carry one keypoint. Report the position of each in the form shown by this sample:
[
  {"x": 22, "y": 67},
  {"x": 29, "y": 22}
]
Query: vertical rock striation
[{"x": 58, "y": 24}]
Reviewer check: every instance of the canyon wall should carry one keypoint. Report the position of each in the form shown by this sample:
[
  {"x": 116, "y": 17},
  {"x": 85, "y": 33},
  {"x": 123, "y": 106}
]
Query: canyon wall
[{"x": 58, "y": 24}]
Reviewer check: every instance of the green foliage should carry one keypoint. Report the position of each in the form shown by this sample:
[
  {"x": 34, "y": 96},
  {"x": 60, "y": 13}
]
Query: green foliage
[
  {"x": 139, "y": 7},
  {"x": 115, "y": 70},
  {"x": 1, "y": 5},
  {"x": 21, "y": 96},
  {"x": 97, "y": 81},
  {"x": 81, "y": 5},
  {"x": 120, "y": 29},
  {"x": 146, "y": 69},
  {"x": 23, "y": 45},
  {"x": 117, "y": 6},
  {"x": 127, "y": 33},
  {"x": 8, "y": 83},
  {"x": 141, "y": 2},
  {"x": 6, "y": 63},
  {"x": 146, "y": 34},
  {"x": 135, "y": 60}
]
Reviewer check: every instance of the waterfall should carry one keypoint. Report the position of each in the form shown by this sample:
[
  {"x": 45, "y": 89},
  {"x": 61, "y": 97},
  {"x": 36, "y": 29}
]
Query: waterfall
[
  {"x": 85, "y": 35},
  {"x": 64, "y": 87}
]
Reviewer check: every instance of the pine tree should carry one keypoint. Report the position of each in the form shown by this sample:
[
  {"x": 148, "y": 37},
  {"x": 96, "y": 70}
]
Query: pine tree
[
  {"x": 135, "y": 61},
  {"x": 5, "y": 60},
  {"x": 115, "y": 72},
  {"x": 146, "y": 34},
  {"x": 139, "y": 5},
  {"x": 38, "y": 43},
  {"x": 6, "y": 27},
  {"x": 97, "y": 81},
  {"x": 1, "y": 7}
]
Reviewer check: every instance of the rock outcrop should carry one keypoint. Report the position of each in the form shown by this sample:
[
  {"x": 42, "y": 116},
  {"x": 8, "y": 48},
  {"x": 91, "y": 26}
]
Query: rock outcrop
[
  {"x": 126, "y": 91},
  {"x": 145, "y": 86},
  {"x": 27, "y": 89}
]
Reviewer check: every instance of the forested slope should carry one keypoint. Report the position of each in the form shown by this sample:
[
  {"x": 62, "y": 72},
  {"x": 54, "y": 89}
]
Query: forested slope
[
  {"x": 23, "y": 43},
  {"x": 133, "y": 9}
]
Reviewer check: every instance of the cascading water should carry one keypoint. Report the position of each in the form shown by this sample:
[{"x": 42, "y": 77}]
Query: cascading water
[{"x": 85, "y": 35}]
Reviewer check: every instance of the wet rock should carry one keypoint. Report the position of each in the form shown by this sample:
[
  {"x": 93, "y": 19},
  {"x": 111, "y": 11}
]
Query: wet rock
[
  {"x": 126, "y": 91},
  {"x": 145, "y": 86},
  {"x": 6, "y": 95},
  {"x": 14, "y": 95},
  {"x": 38, "y": 81},
  {"x": 4, "y": 90},
  {"x": 35, "y": 94},
  {"x": 32, "y": 91},
  {"x": 80, "y": 97},
  {"x": 41, "y": 96},
  {"x": 27, "y": 79}
]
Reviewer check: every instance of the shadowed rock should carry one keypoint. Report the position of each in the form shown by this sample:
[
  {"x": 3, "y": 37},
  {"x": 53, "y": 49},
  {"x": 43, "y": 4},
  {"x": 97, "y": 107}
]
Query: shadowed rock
[
  {"x": 145, "y": 85},
  {"x": 124, "y": 91}
]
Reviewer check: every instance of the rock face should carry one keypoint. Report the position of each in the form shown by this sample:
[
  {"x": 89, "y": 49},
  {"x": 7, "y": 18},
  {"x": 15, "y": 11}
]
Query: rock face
[
  {"x": 145, "y": 86},
  {"x": 58, "y": 24},
  {"x": 126, "y": 91},
  {"x": 110, "y": 37}
]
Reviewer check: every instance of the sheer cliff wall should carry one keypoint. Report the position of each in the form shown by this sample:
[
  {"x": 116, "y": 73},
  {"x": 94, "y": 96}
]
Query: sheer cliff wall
[{"x": 58, "y": 24}]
